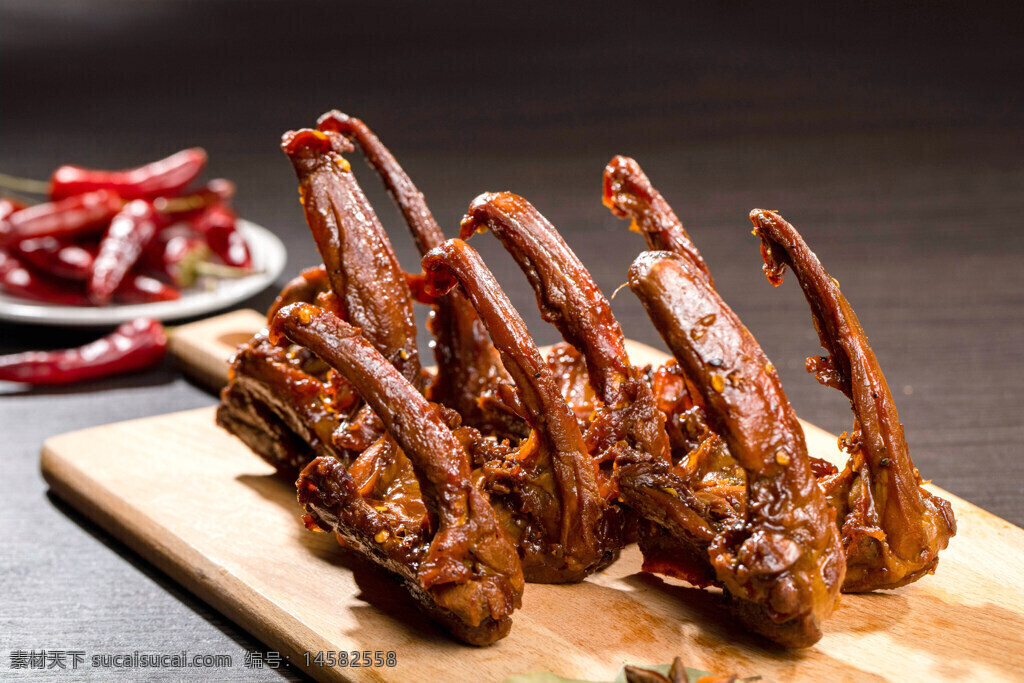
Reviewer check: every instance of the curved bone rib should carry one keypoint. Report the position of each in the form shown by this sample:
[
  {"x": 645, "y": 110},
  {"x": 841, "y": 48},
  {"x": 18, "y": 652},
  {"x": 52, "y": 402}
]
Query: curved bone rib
[
  {"x": 892, "y": 528},
  {"x": 468, "y": 576},
  {"x": 361, "y": 265},
  {"x": 629, "y": 194},
  {"x": 576, "y": 537},
  {"x": 468, "y": 368},
  {"x": 783, "y": 563},
  {"x": 626, "y": 429},
  {"x": 403, "y": 191},
  {"x": 569, "y": 298}
]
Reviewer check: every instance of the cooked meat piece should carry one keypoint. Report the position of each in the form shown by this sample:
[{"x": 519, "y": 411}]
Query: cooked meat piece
[
  {"x": 259, "y": 427},
  {"x": 287, "y": 405},
  {"x": 697, "y": 451},
  {"x": 547, "y": 489},
  {"x": 625, "y": 429},
  {"x": 311, "y": 286},
  {"x": 782, "y": 565},
  {"x": 403, "y": 191},
  {"x": 469, "y": 370},
  {"x": 361, "y": 281},
  {"x": 569, "y": 368},
  {"x": 569, "y": 298},
  {"x": 892, "y": 528},
  {"x": 449, "y": 551},
  {"x": 508, "y": 465},
  {"x": 361, "y": 265},
  {"x": 629, "y": 194}
]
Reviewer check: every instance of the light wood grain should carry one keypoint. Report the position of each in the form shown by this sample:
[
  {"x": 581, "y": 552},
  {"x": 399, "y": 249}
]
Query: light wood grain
[
  {"x": 208, "y": 512},
  {"x": 203, "y": 348}
]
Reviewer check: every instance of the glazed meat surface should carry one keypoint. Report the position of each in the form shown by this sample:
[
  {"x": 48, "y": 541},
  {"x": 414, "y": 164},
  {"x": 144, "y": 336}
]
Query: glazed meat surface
[
  {"x": 568, "y": 298},
  {"x": 624, "y": 429},
  {"x": 270, "y": 393},
  {"x": 505, "y": 466},
  {"x": 628, "y": 193},
  {"x": 892, "y": 528},
  {"x": 411, "y": 506},
  {"x": 469, "y": 372},
  {"x": 360, "y": 264},
  {"x": 547, "y": 489},
  {"x": 782, "y": 563}
]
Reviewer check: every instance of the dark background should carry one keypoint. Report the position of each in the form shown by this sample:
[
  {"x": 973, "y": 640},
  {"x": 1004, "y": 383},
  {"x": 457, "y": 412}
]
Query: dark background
[{"x": 890, "y": 136}]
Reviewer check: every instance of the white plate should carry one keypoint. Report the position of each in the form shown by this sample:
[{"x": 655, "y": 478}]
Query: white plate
[{"x": 268, "y": 256}]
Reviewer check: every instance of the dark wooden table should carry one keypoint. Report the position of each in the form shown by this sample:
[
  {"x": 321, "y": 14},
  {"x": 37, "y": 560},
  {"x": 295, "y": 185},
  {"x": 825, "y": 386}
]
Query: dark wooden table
[{"x": 893, "y": 142}]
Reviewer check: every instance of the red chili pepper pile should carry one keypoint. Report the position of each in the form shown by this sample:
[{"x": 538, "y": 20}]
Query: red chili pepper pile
[{"x": 131, "y": 236}]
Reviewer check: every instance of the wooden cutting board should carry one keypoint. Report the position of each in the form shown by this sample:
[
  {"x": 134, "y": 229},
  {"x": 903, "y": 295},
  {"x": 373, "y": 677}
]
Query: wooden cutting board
[{"x": 199, "y": 505}]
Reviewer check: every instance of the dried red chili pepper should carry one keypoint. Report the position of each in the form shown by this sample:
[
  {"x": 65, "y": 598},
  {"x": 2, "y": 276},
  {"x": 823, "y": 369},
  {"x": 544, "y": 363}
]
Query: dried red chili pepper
[
  {"x": 129, "y": 233},
  {"x": 65, "y": 219},
  {"x": 9, "y": 206},
  {"x": 218, "y": 226},
  {"x": 135, "y": 345},
  {"x": 188, "y": 207},
  {"x": 166, "y": 177},
  {"x": 142, "y": 289},
  {"x": 17, "y": 279},
  {"x": 50, "y": 255},
  {"x": 175, "y": 258}
]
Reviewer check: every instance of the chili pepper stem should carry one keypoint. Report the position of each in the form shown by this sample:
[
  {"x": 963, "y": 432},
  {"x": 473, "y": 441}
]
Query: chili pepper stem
[
  {"x": 181, "y": 204},
  {"x": 27, "y": 185},
  {"x": 220, "y": 271},
  {"x": 6, "y": 193}
]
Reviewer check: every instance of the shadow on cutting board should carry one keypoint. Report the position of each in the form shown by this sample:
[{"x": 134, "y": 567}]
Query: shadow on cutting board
[
  {"x": 696, "y": 629},
  {"x": 377, "y": 589}
]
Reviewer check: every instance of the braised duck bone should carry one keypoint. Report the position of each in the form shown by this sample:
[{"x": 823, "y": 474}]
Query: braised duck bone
[
  {"x": 468, "y": 368},
  {"x": 782, "y": 564},
  {"x": 574, "y": 528},
  {"x": 469, "y": 576},
  {"x": 361, "y": 265},
  {"x": 282, "y": 403},
  {"x": 409, "y": 199},
  {"x": 627, "y": 428},
  {"x": 569, "y": 298},
  {"x": 271, "y": 379},
  {"x": 892, "y": 528},
  {"x": 629, "y": 194},
  {"x": 258, "y": 423},
  {"x": 311, "y": 286}
]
